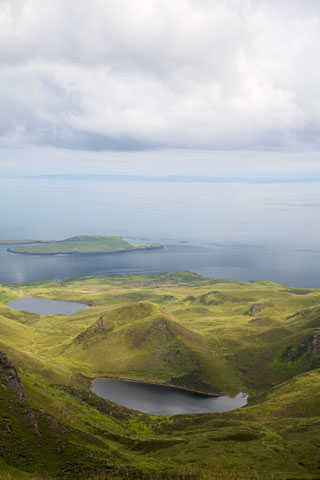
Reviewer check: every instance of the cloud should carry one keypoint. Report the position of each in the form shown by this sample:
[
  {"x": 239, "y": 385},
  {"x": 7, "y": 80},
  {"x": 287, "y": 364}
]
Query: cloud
[{"x": 106, "y": 75}]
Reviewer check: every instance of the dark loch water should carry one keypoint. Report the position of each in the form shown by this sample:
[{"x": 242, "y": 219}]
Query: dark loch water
[
  {"x": 44, "y": 306},
  {"x": 240, "y": 231},
  {"x": 162, "y": 400}
]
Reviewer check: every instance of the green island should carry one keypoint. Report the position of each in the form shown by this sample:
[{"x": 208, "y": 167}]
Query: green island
[
  {"x": 211, "y": 335},
  {"x": 82, "y": 244},
  {"x": 21, "y": 242}
]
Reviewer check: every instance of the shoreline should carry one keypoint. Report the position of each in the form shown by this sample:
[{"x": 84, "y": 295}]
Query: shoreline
[
  {"x": 22, "y": 242},
  {"x": 149, "y": 382},
  {"x": 126, "y": 250}
]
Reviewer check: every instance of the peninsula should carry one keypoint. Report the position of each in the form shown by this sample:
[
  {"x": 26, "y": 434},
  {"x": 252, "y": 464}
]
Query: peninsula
[{"x": 83, "y": 244}]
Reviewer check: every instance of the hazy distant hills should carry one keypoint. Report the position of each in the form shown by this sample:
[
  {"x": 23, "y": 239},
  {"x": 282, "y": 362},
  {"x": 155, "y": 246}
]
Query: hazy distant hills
[{"x": 178, "y": 178}]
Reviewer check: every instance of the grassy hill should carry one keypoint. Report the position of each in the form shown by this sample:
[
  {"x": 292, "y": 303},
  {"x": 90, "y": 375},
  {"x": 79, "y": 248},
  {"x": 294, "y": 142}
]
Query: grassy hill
[
  {"x": 143, "y": 341},
  {"x": 81, "y": 244},
  {"x": 181, "y": 329}
]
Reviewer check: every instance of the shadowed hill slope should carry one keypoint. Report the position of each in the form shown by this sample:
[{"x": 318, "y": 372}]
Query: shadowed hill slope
[
  {"x": 62, "y": 432},
  {"x": 143, "y": 341}
]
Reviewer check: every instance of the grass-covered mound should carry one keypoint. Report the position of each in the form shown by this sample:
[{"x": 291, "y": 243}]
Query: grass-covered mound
[
  {"x": 143, "y": 341},
  {"x": 183, "y": 329},
  {"x": 82, "y": 244}
]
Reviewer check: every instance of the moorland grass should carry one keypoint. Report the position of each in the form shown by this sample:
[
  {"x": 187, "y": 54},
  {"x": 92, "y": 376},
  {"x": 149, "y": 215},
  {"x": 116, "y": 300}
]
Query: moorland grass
[{"x": 225, "y": 336}]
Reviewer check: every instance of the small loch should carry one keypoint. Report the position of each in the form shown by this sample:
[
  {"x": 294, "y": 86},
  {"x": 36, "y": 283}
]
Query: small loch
[
  {"x": 44, "y": 306},
  {"x": 161, "y": 399}
]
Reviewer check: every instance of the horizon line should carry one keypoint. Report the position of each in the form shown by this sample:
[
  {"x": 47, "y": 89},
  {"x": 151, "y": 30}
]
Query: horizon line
[{"x": 170, "y": 178}]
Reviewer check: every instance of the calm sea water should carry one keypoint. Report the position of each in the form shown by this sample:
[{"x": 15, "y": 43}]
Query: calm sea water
[
  {"x": 162, "y": 400},
  {"x": 240, "y": 231}
]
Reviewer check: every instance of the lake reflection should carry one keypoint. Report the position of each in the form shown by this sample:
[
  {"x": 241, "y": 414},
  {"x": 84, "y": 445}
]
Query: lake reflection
[{"x": 162, "y": 400}]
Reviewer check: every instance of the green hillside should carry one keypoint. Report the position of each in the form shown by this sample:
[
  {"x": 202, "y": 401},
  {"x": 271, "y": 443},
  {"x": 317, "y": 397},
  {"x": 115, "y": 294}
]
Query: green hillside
[
  {"x": 143, "y": 341},
  {"x": 81, "y": 244},
  {"x": 182, "y": 329}
]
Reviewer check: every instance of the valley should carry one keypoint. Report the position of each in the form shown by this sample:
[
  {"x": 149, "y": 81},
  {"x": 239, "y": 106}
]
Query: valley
[{"x": 219, "y": 337}]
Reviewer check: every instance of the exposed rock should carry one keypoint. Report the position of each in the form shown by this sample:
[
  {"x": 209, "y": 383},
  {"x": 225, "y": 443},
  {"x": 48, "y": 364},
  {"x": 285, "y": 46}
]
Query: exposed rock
[
  {"x": 255, "y": 308},
  {"x": 172, "y": 356},
  {"x": 256, "y": 320},
  {"x": 260, "y": 321},
  {"x": 288, "y": 354},
  {"x": 311, "y": 344},
  {"x": 89, "y": 344},
  {"x": 32, "y": 421},
  {"x": 9, "y": 377},
  {"x": 301, "y": 313},
  {"x": 98, "y": 325}
]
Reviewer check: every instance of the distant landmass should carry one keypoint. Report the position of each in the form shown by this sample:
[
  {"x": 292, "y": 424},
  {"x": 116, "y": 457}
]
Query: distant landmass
[
  {"x": 176, "y": 178},
  {"x": 83, "y": 244},
  {"x": 22, "y": 242}
]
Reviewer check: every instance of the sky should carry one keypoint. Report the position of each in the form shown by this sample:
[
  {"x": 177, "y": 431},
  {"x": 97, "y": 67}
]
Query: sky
[{"x": 160, "y": 87}]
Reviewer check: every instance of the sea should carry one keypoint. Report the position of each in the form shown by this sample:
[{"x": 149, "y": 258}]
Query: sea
[{"x": 243, "y": 231}]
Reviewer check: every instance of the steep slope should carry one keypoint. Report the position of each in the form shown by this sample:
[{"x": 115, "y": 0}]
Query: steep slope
[
  {"x": 277, "y": 351},
  {"x": 143, "y": 341},
  {"x": 61, "y": 432},
  {"x": 39, "y": 434}
]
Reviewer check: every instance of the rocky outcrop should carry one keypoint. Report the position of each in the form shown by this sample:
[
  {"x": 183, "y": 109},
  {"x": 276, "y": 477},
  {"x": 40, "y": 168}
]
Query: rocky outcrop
[
  {"x": 301, "y": 313},
  {"x": 10, "y": 378},
  {"x": 310, "y": 344},
  {"x": 313, "y": 343},
  {"x": 255, "y": 309},
  {"x": 96, "y": 326},
  {"x": 31, "y": 420},
  {"x": 288, "y": 354}
]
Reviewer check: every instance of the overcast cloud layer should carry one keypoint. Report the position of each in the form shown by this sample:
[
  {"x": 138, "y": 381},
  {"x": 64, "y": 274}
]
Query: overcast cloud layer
[{"x": 150, "y": 74}]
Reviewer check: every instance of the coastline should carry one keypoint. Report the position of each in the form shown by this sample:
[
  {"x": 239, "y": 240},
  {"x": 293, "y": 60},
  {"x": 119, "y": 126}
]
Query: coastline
[
  {"x": 126, "y": 250},
  {"x": 22, "y": 242}
]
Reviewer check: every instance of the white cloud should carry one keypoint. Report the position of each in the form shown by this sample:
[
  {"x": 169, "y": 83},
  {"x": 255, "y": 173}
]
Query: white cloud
[{"x": 106, "y": 74}]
